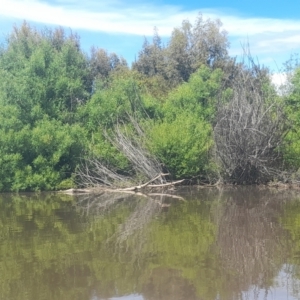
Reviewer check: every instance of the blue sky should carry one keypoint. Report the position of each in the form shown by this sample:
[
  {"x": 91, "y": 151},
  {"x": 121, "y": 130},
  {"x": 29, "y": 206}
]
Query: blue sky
[{"x": 271, "y": 27}]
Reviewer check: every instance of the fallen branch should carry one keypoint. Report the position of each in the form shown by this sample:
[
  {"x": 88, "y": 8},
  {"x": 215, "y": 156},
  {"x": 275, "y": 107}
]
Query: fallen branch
[
  {"x": 138, "y": 187},
  {"x": 130, "y": 190},
  {"x": 166, "y": 184}
]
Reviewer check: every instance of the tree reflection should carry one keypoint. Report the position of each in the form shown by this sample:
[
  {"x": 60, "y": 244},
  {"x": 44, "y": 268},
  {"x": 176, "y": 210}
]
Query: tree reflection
[
  {"x": 251, "y": 241},
  {"x": 212, "y": 245}
]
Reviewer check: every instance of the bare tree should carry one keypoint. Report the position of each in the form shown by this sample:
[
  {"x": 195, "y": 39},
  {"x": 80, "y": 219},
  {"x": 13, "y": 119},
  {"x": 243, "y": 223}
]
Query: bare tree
[
  {"x": 249, "y": 128},
  {"x": 144, "y": 166}
]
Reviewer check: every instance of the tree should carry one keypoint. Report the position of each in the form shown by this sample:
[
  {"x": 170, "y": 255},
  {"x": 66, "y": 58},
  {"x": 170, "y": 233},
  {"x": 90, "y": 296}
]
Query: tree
[
  {"x": 179, "y": 66},
  {"x": 249, "y": 129},
  {"x": 189, "y": 47},
  {"x": 292, "y": 109},
  {"x": 102, "y": 63},
  {"x": 43, "y": 81},
  {"x": 208, "y": 42},
  {"x": 43, "y": 73},
  {"x": 182, "y": 137},
  {"x": 151, "y": 58}
]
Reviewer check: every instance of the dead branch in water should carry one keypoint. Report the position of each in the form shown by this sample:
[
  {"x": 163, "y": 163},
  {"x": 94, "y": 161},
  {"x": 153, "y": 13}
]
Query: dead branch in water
[
  {"x": 138, "y": 187},
  {"x": 147, "y": 184},
  {"x": 131, "y": 190}
]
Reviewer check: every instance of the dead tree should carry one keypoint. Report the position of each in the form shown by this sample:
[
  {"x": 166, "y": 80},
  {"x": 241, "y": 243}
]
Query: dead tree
[
  {"x": 146, "y": 170},
  {"x": 249, "y": 128}
]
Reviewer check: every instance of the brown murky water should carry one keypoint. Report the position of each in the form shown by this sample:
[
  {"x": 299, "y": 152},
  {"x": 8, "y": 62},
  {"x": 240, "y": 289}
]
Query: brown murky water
[{"x": 241, "y": 243}]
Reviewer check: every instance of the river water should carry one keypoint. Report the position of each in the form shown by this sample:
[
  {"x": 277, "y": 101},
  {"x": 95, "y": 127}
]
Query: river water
[{"x": 228, "y": 243}]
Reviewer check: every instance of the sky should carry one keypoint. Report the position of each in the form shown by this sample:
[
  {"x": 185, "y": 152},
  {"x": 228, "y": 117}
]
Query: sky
[{"x": 271, "y": 28}]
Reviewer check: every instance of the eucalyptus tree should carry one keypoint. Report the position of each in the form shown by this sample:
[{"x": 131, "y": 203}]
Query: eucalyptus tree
[
  {"x": 190, "y": 46},
  {"x": 151, "y": 58},
  {"x": 102, "y": 63}
]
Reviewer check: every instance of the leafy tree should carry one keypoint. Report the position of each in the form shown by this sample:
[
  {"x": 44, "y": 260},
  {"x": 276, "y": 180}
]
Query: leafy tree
[
  {"x": 43, "y": 81},
  {"x": 200, "y": 95},
  {"x": 208, "y": 43},
  {"x": 182, "y": 138},
  {"x": 292, "y": 108},
  {"x": 179, "y": 66},
  {"x": 102, "y": 63},
  {"x": 41, "y": 158},
  {"x": 151, "y": 58},
  {"x": 190, "y": 46},
  {"x": 183, "y": 145},
  {"x": 112, "y": 102},
  {"x": 43, "y": 73}
]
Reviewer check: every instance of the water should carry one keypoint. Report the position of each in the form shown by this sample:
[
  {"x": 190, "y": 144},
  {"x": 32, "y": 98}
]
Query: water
[{"x": 230, "y": 243}]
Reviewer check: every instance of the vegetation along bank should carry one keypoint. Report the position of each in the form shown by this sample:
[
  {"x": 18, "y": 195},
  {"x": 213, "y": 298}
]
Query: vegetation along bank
[{"x": 186, "y": 109}]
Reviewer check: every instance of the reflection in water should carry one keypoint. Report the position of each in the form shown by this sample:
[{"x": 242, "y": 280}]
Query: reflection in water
[
  {"x": 280, "y": 289},
  {"x": 252, "y": 243},
  {"x": 241, "y": 243}
]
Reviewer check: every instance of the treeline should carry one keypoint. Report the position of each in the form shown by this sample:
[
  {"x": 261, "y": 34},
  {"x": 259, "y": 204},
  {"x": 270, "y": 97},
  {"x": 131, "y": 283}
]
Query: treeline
[{"x": 191, "y": 108}]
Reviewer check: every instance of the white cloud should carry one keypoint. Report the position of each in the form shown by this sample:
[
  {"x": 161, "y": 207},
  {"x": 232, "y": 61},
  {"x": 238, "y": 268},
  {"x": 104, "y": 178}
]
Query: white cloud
[
  {"x": 252, "y": 26},
  {"x": 279, "y": 79},
  {"x": 111, "y": 18},
  {"x": 116, "y": 16}
]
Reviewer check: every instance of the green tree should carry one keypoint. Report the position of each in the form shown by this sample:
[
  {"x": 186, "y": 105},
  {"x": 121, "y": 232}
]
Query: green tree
[
  {"x": 151, "y": 58},
  {"x": 43, "y": 73},
  {"x": 41, "y": 158},
  {"x": 102, "y": 63},
  {"x": 43, "y": 81},
  {"x": 189, "y": 47},
  {"x": 292, "y": 108},
  {"x": 182, "y": 137}
]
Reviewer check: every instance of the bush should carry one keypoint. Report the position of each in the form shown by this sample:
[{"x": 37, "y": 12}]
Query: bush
[
  {"x": 41, "y": 158},
  {"x": 183, "y": 145}
]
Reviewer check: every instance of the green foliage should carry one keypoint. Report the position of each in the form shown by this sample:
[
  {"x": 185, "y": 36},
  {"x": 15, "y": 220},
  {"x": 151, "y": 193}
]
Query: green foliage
[
  {"x": 43, "y": 80},
  {"x": 38, "y": 78},
  {"x": 58, "y": 104},
  {"x": 101, "y": 64},
  {"x": 100, "y": 148},
  {"x": 112, "y": 106},
  {"x": 113, "y": 102},
  {"x": 198, "y": 95},
  {"x": 189, "y": 47},
  {"x": 41, "y": 158},
  {"x": 292, "y": 108},
  {"x": 183, "y": 145},
  {"x": 182, "y": 140}
]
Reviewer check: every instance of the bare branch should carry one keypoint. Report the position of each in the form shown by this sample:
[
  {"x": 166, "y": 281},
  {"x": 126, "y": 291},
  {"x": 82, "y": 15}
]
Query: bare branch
[
  {"x": 249, "y": 128},
  {"x": 145, "y": 167}
]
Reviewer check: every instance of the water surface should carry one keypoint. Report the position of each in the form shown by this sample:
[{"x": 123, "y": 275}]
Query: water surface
[{"x": 237, "y": 243}]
